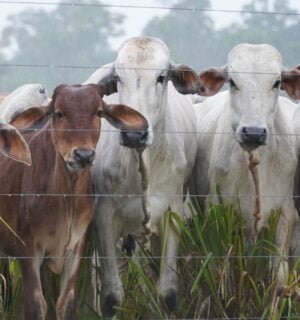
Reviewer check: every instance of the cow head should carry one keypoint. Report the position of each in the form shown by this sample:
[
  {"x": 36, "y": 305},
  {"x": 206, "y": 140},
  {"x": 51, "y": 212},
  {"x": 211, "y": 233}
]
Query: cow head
[
  {"x": 140, "y": 75},
  {"x": 13, "y": 145},
  {"x": 24, "y": 97},
  {"x": 75, "y": 113},
  {"x": 255, "y": 76}
]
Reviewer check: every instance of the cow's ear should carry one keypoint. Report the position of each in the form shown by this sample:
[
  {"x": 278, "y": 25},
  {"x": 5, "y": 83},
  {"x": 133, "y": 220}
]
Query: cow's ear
[
  {"x": 124, "y": 118},
  {"x": 106, "y": 79},
  {"x": 290, "y": 82},
  {"x": 31, "y": 118},
  {"x": 13, "y": 145},
  {"x": 184, "y": 78},
  {"x": 212, "y": 80}
]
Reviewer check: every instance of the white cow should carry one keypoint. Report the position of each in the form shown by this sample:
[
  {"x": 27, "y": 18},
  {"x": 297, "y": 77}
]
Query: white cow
[
  {"x": 141, "y": 74},
  {"x": 24, "y": 97},
  {"x": 250, "y": 116}
]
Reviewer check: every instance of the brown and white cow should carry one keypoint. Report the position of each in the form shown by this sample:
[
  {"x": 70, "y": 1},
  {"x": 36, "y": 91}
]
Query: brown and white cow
[{"x": 51, "y": 202}]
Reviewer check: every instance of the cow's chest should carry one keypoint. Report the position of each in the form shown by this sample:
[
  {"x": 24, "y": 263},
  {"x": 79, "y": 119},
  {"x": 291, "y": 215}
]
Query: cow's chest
[
  {"x": 62, "y": 235},
  {"x": 236, "y": 184}
]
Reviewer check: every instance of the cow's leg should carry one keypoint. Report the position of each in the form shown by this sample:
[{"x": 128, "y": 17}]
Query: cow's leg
[
  {"x": 168, "y": 279},
  {"x": 33, "y": 304},
  {"x": 283, "y": 240},
  {"x": 107, "y": 234},
  {"x": 66, "y": 306}
]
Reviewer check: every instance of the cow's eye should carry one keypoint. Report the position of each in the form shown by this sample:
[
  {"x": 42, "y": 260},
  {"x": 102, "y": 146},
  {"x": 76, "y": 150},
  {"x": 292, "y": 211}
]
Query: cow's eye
[
  {"x": 161, "y": 79},
  {"x": 277, "y": 84},
  {"x": 42, "y": 90},
  {"x": 99, "y": 113},
  {"x": 59, "y": 114},
  {"x": 232, "y": 84},
  {"x": 117, "y": 78}
]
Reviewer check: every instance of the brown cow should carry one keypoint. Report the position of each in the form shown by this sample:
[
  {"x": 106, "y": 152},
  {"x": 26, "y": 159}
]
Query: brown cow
[{"x": 53, "y": 225}]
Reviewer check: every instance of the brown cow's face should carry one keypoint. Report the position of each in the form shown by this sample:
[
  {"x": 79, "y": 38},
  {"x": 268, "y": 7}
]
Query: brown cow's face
[
  {"x": 75, "y": 113},
  {"x": 76, "y": 123}
]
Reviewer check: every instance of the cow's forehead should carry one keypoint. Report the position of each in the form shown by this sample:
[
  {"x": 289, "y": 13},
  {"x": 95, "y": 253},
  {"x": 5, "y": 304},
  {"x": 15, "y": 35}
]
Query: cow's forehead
[
  {"x": 78, "y": 98},
  {"x": 143, "y": 52},
  {"x": 251, "y": 58}
]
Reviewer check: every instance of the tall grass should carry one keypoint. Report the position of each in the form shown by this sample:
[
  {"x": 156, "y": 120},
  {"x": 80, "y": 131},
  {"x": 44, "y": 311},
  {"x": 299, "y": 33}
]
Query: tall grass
[{"x": 221, "y": 275}]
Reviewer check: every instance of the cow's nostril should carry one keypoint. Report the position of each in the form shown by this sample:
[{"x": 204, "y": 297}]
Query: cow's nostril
[
  {"x": 144, "y": 136},
  {"x": 245, "y": 132}
]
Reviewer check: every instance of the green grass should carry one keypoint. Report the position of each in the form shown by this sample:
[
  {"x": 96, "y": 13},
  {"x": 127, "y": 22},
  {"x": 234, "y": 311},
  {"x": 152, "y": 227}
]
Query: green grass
[{"x": 221, "y": 274}]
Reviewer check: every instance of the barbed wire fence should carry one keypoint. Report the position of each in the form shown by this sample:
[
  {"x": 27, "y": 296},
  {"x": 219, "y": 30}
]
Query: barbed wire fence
[
  {"x": 177, "y": 8},
  {"x": 232, "y": 196},
  {"x": 139, "y": 7}
]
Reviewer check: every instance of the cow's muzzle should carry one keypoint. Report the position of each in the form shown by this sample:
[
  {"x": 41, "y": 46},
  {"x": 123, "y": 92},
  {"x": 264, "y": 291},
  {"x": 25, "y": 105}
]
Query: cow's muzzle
[
  {"x": 81, "y": 158},
  {"x": 251, "y": 137},
  {"x": 134, "y": 139}
]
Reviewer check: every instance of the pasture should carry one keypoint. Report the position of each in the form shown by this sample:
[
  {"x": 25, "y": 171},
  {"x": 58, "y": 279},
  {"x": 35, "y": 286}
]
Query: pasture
[{"x": 221, "y": 275}]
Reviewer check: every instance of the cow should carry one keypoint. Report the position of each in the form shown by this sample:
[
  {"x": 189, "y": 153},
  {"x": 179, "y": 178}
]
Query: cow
[
  {"x": 2, "y": 96},
  {"x": 51, "y": 202},
  {"x": 24, "y": 97},
  {"x": 144, "y": 76},
  {"x": 250, "y": 117}
]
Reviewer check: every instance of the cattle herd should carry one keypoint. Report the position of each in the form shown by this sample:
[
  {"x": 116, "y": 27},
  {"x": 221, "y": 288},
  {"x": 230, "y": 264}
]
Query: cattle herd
[{"x": 131, "y": 143}]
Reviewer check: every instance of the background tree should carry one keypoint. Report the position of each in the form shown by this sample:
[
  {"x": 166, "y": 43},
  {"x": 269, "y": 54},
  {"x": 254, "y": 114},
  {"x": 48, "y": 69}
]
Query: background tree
[
  {"x": 69, "y": 35},
  {"x": 193, "y": 38},
  {"x": 279, "y": 30},
  {"x": 189, "y": 34}
]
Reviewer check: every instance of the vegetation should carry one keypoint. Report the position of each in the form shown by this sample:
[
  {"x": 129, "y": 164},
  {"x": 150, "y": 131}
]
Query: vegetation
[
  {"x": 67, "y": 36},
  {"x": 221, "y": 275},
  {"x": 193, "y": 38},
  {"x": 82, "y": 36}
]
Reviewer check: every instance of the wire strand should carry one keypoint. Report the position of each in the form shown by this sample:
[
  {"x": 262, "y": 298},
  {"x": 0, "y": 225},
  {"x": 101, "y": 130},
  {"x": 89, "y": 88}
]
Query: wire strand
[
  {"x": 187, "y": 9},
  {"x": 187, "y": 257},
  {"x": 154, "y": 195},
  {"x": 150, "y": 131},
  {"x": 53, "y": 66}
]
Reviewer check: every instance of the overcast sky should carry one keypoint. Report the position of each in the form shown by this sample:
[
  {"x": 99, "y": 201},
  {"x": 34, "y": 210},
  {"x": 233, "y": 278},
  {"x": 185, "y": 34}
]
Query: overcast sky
[{"x": 137, "y": 18}]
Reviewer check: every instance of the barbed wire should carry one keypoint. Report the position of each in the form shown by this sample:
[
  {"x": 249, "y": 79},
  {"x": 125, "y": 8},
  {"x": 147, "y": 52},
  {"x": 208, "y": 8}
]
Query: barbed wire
[
  {"x": 154, "y": 195},
  {"x": 143, "y": 131},
  {"x": 54, "y": 66},
  {"x": 177, "y": 8},
  {"x": 187, "y": 257}
]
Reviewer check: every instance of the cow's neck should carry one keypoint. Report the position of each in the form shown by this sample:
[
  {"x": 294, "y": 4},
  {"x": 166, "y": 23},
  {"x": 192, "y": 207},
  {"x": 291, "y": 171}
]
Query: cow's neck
[
  {"x": 160, "y": 128},
  {"x": 66, "y": 181}
]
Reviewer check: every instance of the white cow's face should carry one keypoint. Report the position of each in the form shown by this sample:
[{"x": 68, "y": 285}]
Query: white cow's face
[
  {"x": 140, "y": 75},
  {"x": 255, "y": 76},
  {"x": 23, "y": 98},
  {"x": 141, "y": 71}
]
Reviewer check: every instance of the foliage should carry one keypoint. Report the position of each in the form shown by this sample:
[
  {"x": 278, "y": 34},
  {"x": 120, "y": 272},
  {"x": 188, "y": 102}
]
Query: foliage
[
  {"x": 221, "y": 274},
  {"x": 193, "y": 38},
  {"x": 188, "y": 34},
  {"x": 281, "y": 31},
  {"x": 69, "y": 35}
]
